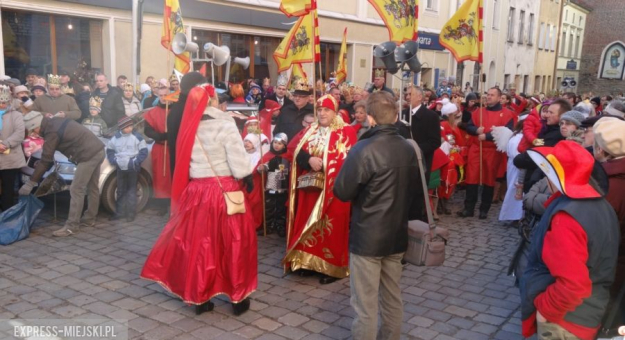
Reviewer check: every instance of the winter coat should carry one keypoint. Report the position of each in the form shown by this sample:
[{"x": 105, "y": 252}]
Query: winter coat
[
  {"x": 47, "y": 104},
  {"x": 381, "y": 186},
  {"x": 95, "y": 124},
  {"x": 131, "y": 106},
  {"x": 82, "y": 99},
  {"x": 615, "y": 170},
  {"x": 70, "y": 138},
  {"x": 127, "y": 151},
  {"x": 12, "y": 136},
  {"x": 534, "y": 200},
  {"x": 531, "y": 128},
  {"x": 290, "y": 119},
  {"x": 112, "y": 106}
]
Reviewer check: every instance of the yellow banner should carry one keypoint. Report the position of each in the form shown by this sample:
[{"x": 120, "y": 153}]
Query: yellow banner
[
  {"x": 401, "y": 18},
  {"x": 172, "y": 24},
  {"x": 297, "y": 73},
  {"x": 297, "y": 45},
  {"x": 295, "y": 7},
  {"x": 462, "y": 34},
  {"x": 341, "y": 72}
]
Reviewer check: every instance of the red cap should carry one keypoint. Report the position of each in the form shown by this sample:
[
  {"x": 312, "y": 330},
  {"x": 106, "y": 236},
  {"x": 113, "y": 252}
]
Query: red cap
[{"x": 328, "y": 102}]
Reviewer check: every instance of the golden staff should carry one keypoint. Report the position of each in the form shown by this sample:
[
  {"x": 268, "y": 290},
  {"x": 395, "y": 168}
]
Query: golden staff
[{"x": 262, "y": 177}]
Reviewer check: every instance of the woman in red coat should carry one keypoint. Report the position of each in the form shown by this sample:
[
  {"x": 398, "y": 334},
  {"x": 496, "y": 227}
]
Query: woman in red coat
[{"x": 156, "y": 128}]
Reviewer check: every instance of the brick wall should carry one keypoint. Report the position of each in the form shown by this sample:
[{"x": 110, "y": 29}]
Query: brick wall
[{"x": 604, "y": 25}]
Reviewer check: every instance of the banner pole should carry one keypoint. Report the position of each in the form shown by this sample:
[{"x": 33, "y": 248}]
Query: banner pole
[
  {"x": 166, "y": 112},
  {"x": 480, "y": 88}
]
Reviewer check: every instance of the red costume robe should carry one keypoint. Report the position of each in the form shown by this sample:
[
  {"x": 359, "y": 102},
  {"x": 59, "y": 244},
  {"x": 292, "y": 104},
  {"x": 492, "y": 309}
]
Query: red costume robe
[
  {"x": 492, "y": 160},
  {"x": 161, "y": 178},
  {"x": 318, "y": 224}
]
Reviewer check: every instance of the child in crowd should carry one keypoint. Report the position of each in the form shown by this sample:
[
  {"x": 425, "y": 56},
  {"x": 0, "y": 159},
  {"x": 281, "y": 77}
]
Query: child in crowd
[
  {"x": 255, "y": 95},
  {"x": 532, "y": 127},
  {"x": 126, "y": 150},
  {"x": 276, "y": 187},
  {"x": 33, "y": 141},
  {"x": 94, "y": 122}
]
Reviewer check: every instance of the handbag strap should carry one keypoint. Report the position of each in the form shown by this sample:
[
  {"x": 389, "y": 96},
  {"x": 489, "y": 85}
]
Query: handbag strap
[
  {"x": 216, "y": 176},
  {"x": 428, "y": 208}
]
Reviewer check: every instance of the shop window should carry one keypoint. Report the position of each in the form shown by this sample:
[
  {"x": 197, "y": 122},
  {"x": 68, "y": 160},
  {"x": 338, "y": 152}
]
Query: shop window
[{"x": 50, "y": 44}]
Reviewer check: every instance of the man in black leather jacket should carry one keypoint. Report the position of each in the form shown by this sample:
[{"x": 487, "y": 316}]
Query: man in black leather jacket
[{"x": 380, "y": 177}]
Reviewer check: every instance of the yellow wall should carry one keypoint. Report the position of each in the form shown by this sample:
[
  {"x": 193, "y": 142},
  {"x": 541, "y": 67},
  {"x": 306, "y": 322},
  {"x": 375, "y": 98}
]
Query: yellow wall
[{"x": 544, "y": 66}]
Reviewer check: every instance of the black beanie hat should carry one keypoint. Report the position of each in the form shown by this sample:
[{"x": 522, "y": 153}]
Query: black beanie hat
[{"x": 190, "y": 80}]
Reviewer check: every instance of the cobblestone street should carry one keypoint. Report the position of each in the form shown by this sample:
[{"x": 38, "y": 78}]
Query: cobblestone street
[{"x": 95, "y": 274}]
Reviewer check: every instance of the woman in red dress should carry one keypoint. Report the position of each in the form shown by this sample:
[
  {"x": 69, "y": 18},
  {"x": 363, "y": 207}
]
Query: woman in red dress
[
  {"x": 318, "y": 224},
  {"x": 204, "y": 252}
]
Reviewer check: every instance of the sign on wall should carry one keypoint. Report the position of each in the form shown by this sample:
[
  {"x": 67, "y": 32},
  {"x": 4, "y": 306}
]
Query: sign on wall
[
  {"x": 429, "y": 41},
  {"x": 613, "y": 62}
]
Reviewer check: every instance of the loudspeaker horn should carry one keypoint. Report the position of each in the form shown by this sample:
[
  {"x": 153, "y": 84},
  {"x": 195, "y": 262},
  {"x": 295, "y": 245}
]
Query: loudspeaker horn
[
  {"x": 565, "y": 83},
  {"x": 385, "y": 51},
  {"x": 244, "y": 62},
  {"x": 406, "y": 54},
  {"x": 219, "y": 54},
  {"x": 573, "y": 83},
  {"x": 180, "y": 44}
]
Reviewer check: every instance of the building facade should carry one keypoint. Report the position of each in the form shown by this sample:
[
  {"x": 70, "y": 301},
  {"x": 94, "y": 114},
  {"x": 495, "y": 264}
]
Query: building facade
[
  {"x": 603, "y": 60},
  {"x": 546, "y": 44},
  {"x": 494, "y": 37},
  {"x": 55, "y": 35},
  {"x": 519, "y": 52},
  {"x": 574, "y": 22}
]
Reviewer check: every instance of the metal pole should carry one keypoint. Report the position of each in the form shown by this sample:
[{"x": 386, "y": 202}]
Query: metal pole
[{"x": 135, "y": 42}]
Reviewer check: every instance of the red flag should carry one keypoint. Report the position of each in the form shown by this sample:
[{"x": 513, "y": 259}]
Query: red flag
[{"x": 203, "y": 70}]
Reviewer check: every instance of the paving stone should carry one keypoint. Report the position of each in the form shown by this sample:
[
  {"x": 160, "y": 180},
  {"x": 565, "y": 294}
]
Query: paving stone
[
  {"x": 291, "y": 332},
  {"x": 268, "y": 324},
  {"x": 421, "y": 321},
  {"x": 293, "y": 319}
]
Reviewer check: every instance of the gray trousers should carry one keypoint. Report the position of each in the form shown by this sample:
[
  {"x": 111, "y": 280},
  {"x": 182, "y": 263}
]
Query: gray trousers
[
  {"x": 552, "y": 331},
  {"x": 85, "y": 183},
  {"x": 375, "y": 281}
]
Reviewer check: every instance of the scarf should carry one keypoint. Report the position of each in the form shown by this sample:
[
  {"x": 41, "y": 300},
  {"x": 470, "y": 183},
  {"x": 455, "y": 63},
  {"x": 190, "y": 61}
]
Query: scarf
[{"x": 2, "y": 112}]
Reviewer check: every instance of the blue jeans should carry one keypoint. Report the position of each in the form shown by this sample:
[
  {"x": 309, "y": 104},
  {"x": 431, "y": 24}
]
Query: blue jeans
[{"x": 126, "y": 192}]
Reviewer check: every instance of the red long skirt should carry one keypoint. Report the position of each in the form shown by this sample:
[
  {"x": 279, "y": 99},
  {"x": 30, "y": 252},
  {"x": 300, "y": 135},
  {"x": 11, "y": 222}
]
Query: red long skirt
[{"x": 202, "y": 251}]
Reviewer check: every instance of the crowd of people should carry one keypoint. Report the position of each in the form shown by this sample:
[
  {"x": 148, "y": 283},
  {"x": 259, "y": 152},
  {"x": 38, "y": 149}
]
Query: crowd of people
[{"x": 341, "y": 182}]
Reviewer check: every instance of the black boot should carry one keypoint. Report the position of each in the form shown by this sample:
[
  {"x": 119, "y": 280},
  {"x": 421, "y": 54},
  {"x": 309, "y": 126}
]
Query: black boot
[
  {"x": 241, "y": 307},
  {"x": 469, "y": 201},
  {"x": 205, "y": 307},
  {"x": 325, "y": 279},
  {"x": 487, "y": 200}
]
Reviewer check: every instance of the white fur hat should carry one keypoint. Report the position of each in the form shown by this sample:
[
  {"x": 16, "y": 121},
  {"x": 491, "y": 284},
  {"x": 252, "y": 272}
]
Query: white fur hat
[{"x": 448, "y": 107}]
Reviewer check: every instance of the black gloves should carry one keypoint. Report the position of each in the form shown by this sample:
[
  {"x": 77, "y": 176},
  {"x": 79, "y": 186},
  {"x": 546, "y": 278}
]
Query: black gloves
[{"x": 249, "y": 183}]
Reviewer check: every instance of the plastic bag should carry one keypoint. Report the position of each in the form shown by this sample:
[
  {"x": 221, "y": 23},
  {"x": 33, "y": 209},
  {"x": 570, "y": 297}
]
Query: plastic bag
[{"x": 15, "y": 222}]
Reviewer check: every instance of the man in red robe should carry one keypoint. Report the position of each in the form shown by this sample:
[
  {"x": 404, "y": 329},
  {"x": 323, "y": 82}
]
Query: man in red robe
[
  {"x": 482, "y": 166},
  {"x": 318, "y": 224},
  {"x": 155, "y": 128}
]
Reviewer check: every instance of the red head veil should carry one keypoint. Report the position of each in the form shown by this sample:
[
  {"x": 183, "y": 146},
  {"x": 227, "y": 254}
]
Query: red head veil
[{"x": 193, "y": 111}]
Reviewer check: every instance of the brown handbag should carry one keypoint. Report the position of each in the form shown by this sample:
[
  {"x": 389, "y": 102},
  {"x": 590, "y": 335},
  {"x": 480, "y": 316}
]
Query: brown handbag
[
  {"x": 235, "y": 200},
  {"x": 426, "y": 241}
]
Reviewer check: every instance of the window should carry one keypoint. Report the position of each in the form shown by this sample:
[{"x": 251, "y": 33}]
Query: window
[
  {"x": 511, "y": 25},
  {"x": 581, "y": 20},
  {"x": 506, "y": 81},
  {"x": 573, "y": 20},
  {"x": 431, "y": 5},
  {"x": 563, "y": 47},
  {"x": 258, "y": 49},
  {"x": 526, "y": 80},
  {"x": 547, "y": 37},
  {"x": 521, "y": 27},
  {"x": 566, "y": 15},
  {"x": 530, "y": 33},
  {"x": 570, "y": 45},
  {"x": 575, "y": 53},
  {"x": 51, "y": 43},
  {"x": 496, "y": 14},
  {"x": 553, "y": 37},
  {"x": 541, "y": 36}
]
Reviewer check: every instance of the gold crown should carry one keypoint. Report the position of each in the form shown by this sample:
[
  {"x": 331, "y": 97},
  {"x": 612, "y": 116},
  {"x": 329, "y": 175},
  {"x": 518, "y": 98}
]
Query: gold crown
[
  {"x": 5, "y": 94},
  {"x": 379, "y": 73},
  {"x": 302, "y": 85},
  {"x": 53, "y": 79},
  {"x": 67, "y": 90},
  {"x": 173, "y": 77},
  {"x": 95, "y": 101},
  {"x": 129, "y": 87}
]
